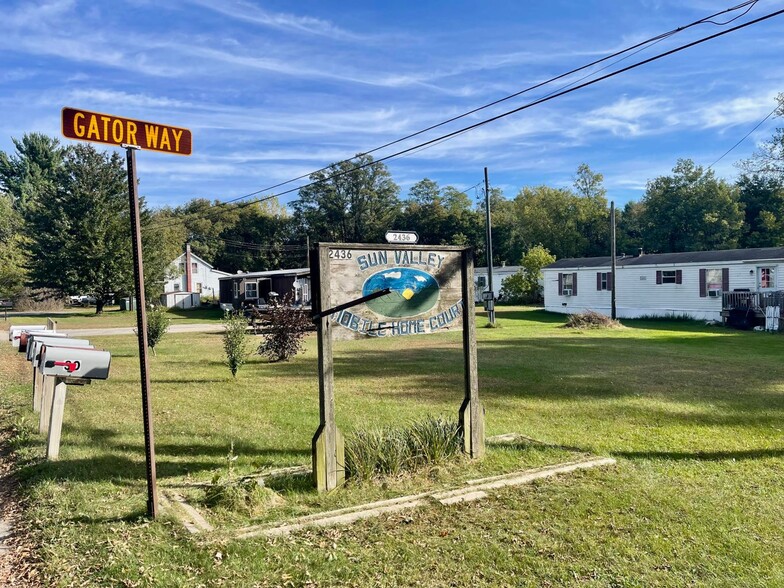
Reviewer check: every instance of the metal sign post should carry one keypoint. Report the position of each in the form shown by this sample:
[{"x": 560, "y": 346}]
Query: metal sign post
[
  {"x": 132, "y": 135},
  {"x": 141, "y": 328}
]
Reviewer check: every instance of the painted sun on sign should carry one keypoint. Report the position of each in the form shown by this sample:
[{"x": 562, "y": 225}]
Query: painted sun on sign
[{"x": 425, "y": 289}]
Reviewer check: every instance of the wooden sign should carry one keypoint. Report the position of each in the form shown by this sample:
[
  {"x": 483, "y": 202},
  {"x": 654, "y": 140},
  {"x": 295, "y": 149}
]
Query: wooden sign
[
  {"x": 419, "y": 289},
  {"x": 84, "y": 125},
  {"x": 425, "y": 286}
]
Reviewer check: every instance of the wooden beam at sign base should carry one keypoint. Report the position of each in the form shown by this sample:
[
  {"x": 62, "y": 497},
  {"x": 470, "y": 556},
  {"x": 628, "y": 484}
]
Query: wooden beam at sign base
[
  {"x": 472, "y": 414},
  {"x": 329, "y": 469}
]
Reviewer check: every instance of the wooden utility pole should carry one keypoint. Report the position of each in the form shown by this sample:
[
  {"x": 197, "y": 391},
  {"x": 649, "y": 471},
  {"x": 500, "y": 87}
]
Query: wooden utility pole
[
  {"x": 469, "y": 302},
  {"x": 612, "y": 257}
]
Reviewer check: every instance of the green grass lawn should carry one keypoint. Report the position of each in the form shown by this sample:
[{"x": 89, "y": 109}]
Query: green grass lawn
[
  {"x": 693, "y": 414},
  {"x": 112, "y": 316}
]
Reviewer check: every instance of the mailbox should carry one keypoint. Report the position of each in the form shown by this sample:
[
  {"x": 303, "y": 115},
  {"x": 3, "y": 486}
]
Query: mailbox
[
  {"x": 16, "y": 332},
  {"x": 23, "y": 328},
  {"x": 34, "y": 348},
  {"x": 75, "y": 362},
  {"x": 26, "y": 338}
]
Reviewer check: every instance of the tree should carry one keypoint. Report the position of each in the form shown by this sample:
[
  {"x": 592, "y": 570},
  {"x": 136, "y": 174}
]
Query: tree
[
  {"x": 32, "y": 173},
  {"x": 158, "y": 322},
  {"x": 12, "y": 249},
  {"x": 629, "y": 235},
  {"x": 690, "y": 211},
  {"x": 235, "y": 342},
  {"x": 350, "y": 201},
  {"x": 762, "y": 198},
  {"x": 524, "y": 285}
]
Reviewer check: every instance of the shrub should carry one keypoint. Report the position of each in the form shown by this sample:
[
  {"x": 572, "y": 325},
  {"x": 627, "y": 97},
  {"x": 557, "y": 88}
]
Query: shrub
[
  {"x": 392, "y": 451},
  {"x": 523, "y": 286},
  {"x": 591, "y": 319},
  {"x": 235, "y": 341},
  {"x": 158, "y": 322},
  {"x": 287, "y": 327}
]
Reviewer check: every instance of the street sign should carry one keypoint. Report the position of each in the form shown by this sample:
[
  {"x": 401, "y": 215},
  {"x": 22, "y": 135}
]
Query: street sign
[
  {"x": 84, "y": 125},
  {"x": 402, "y": 237}
]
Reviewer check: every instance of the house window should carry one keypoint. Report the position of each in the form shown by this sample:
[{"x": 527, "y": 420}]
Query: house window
[
  {"x": 669, "y": 276},
  {"x": 176, "y": 287},
  {"x": 251, "y": 290},
  {"x": 182, "y": 267},
  {"x": 198, "y": 287},
  {"x": 194, "y": 267},
  {"x": 713, "y": 281},
  {"x": 767, "y": 277},
  {"x": 481, "y": 281},
  {"x": 236, "y": 289},
  {"x": 604, "y": 281},
  {"x": 568, "y": 284}
]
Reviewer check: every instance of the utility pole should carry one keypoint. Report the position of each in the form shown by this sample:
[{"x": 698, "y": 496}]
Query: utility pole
[
  {"x": 612, "y": 263},
  {"x": 491, "y": 302}
]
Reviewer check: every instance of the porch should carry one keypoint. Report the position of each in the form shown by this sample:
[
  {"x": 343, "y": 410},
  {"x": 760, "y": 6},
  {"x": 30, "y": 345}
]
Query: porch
[{"x": 746, "y": 309}]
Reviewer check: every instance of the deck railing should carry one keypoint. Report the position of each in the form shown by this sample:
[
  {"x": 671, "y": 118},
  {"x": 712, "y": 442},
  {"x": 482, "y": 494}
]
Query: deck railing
[{"x": 754, "y": 300}]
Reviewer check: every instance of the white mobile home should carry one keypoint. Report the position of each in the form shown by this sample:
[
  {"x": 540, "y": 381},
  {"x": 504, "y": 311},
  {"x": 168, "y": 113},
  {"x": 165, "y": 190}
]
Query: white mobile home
[
  {"x": 191, "y": 275},
  {"x": 698, "y": 284},
  {"x": 500, "y": 274}
]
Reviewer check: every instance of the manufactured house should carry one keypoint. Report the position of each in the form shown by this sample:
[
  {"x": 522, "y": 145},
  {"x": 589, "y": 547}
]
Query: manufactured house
[
  {"x": 255, "y": 288},
  {"x": 709, "y": 285},
  {"x": 192, "y": 279},
  {"x": 482, "y": 283}
]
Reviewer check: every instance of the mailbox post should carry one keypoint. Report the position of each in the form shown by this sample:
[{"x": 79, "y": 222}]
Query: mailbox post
[{"x": 67, "y": 365}]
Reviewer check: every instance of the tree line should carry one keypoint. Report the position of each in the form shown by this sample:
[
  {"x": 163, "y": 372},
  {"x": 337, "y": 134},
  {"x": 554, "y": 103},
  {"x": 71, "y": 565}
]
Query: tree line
[{"x": 64, "y": 221}]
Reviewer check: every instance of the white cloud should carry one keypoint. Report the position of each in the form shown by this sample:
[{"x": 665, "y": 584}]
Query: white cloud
[
  {"x": 420, "y": 279},
  {"x": 393, "y": 275}
]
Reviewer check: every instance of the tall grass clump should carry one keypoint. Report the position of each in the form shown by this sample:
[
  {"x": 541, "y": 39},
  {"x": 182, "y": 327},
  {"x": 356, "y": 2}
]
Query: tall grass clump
[
  {"x": 393, "y": 451},
  {"x": 235, "y": 342}
]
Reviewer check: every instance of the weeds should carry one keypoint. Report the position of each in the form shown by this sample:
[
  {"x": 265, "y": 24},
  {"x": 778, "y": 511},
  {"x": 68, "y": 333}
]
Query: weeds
[
  {"x": 392, "y": 451},
  {"x": 235, "y": 342}
]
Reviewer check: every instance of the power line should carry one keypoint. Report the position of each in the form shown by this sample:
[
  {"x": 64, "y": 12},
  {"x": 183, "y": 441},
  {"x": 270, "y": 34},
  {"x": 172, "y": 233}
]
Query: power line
[
  {"x": 746, "y": 136},
  {"x": 536, "y": 102}
]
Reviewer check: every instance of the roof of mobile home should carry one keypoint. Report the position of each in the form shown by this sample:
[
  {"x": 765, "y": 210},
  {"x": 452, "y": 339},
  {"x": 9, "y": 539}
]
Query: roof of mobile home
[{"x": 727, "y": 255}]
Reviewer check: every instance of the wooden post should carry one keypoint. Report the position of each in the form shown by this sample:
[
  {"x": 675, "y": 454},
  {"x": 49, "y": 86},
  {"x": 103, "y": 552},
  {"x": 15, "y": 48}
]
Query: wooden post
[
  {"x": 56, "y": 421},
  {"x": 37, "y": 388},
  {"x": 51, "y": 325},
  {"x": 329, "y": 470},
  {"x": 472, "y": 414},
  {"x": 47, "y": 393}
]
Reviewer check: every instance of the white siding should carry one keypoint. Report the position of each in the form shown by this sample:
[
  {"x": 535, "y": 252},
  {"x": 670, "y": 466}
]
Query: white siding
[
  {"x": 205, "y": 275},
  {"x": 638, "y": 294}
]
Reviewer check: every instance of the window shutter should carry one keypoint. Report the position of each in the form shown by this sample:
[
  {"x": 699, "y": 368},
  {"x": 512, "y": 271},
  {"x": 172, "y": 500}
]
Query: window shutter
[
  {"x": 560, "y": 284},
  {"x": 679, "y": 276},
  {"x": 703, "y": 285},
  {"x": 574, "y": 284},
  {"x": 610, "y": 280},
  {"x": 725, "y": 279},
  {"x": 598, "y": 280},
  {"x": 658, "y": 277}
]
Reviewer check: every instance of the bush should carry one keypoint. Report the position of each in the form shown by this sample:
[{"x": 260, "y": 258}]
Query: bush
[
  {"x": 235, "y": 341},
  {"x": 158, "y": 322},
  {"x": 591, "y": 319},
  {"x": 392, "y": 451},
  {"x": 287, "y": 327},
  {"x": 41, "y": 299}
]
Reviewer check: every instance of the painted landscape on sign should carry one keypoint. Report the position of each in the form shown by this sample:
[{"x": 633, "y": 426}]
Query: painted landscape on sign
[{"x": 413, "y": 292}]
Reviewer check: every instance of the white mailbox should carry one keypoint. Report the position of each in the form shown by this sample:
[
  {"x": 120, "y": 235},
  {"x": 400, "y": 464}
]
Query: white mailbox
[
  {"x": 75, "y": 362},
  {"x": 15, "y": 333},
  {"x": 27, "y": 339},
  {"x": 34, "y": 348},
  {"x": 23, "y": 328}
]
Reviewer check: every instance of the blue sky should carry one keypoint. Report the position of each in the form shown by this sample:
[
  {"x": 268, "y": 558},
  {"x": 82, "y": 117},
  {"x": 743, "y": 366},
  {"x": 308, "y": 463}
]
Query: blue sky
[{"x": 274, "y": 90}]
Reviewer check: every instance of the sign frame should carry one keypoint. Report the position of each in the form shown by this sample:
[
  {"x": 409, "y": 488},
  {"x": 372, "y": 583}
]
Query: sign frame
[{"x": 327, "y": 447}]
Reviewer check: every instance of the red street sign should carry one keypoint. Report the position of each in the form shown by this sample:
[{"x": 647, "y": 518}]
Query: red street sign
[{"x": 84, "y": 125}]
